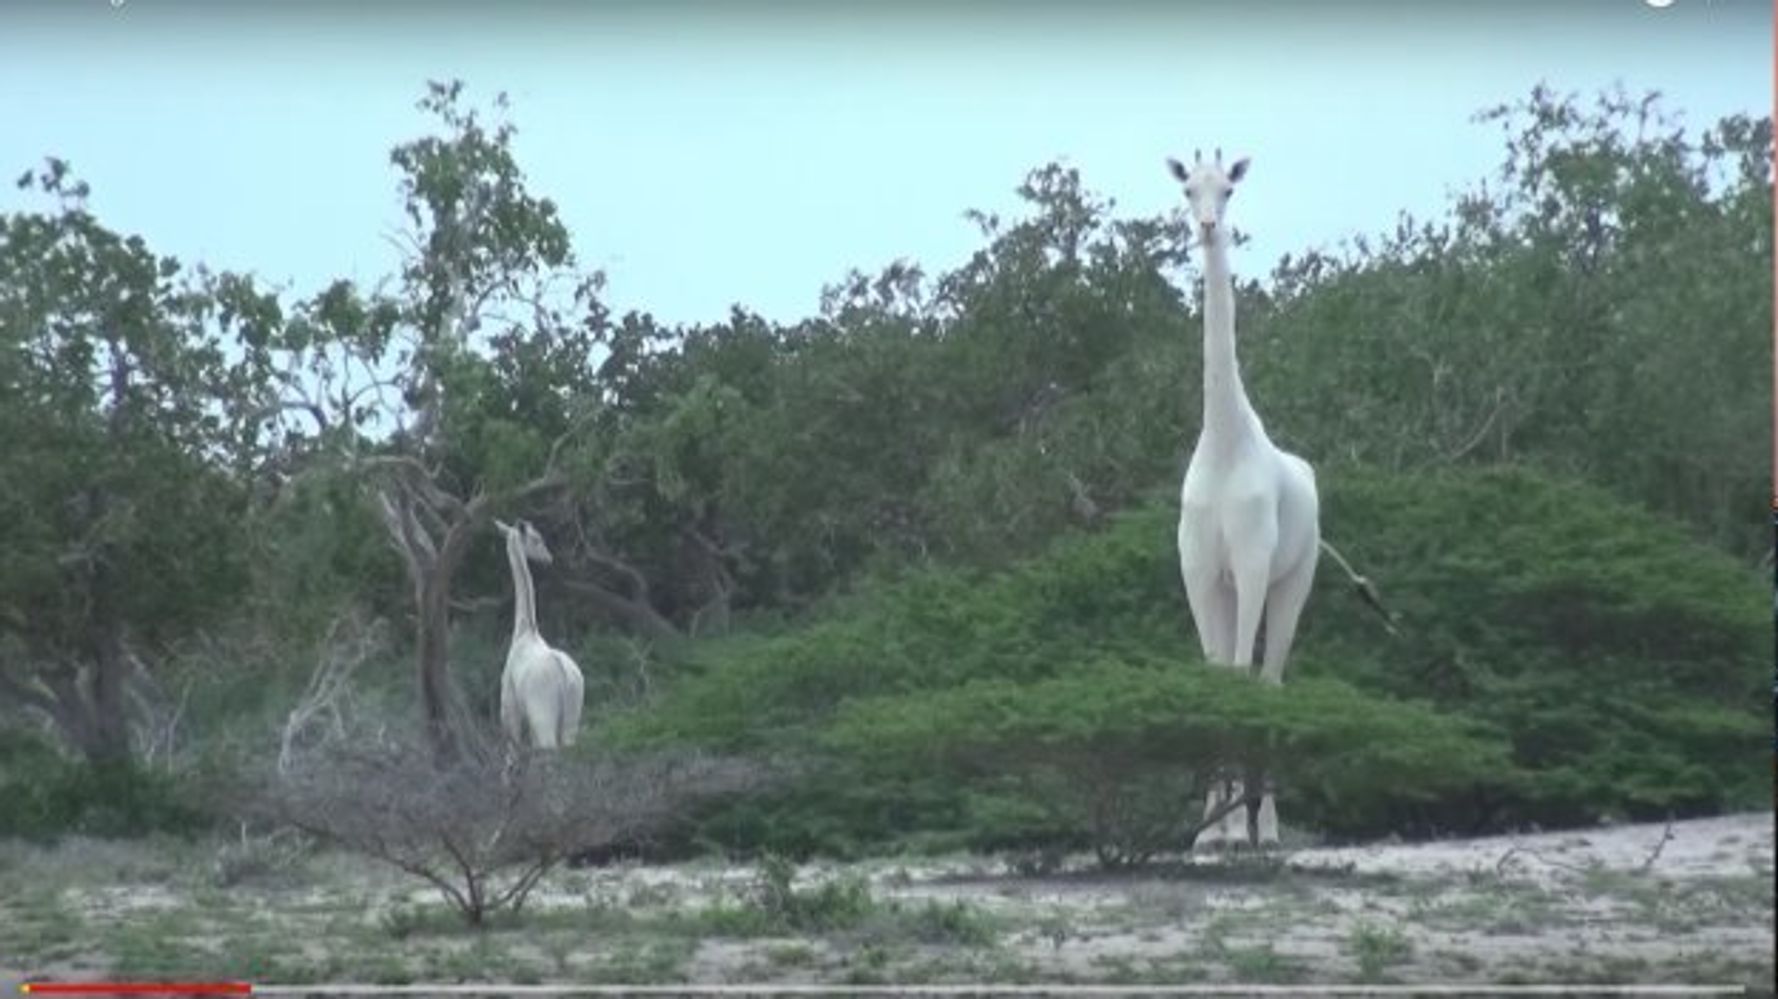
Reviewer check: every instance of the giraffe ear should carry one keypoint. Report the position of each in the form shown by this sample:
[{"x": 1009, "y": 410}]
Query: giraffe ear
[
  {"x": 1178, "y": 168},
  {"x": 1238, "y": 171},
  {"x": 504, "y": 527}
]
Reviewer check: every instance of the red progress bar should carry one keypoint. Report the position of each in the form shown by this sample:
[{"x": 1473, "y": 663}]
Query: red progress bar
[{"x": 136, "y": 988}]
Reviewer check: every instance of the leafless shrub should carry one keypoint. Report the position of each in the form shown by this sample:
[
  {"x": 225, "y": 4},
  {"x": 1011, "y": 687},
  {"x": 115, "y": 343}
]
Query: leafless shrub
[
  {"x": 484, "y": 829},
  {"x": 258, "y": 857},
  {"x": 321, "y": 714},
  {"x": 154, "y": 715}
]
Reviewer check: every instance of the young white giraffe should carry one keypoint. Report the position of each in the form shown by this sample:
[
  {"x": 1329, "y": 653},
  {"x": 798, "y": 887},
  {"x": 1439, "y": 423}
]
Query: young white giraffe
[
  {"x": 1249, "y": 531},
  {"x": 541, "y": 689}
]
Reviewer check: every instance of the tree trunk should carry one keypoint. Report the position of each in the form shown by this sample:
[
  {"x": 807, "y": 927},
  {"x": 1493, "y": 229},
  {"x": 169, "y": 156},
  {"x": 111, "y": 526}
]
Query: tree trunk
[
  {"x": 432, "y": 660},
  {"x": 438, "y": 694},
  {"x": 432, "y": 568},
  {"x": 104, "y": 701},
  {"x": 109, "y": 732}
]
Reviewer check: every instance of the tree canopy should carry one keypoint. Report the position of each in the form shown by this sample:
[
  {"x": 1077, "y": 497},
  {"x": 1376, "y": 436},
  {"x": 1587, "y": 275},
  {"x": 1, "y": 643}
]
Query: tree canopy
[{"x": 944, "y": 499}]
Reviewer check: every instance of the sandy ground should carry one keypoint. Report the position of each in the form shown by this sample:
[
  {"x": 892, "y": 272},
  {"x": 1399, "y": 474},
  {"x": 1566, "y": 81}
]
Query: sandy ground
[{"x": 1689, "y": 903}]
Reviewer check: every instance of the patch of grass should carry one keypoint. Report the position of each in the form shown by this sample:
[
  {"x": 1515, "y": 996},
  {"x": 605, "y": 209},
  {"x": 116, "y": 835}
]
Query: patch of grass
[
  {"x": 956, "y": 923},
  {"x": 36, "y": 923},
  {"x": 146, "y": 952},
  {"x": 649, "y": 896},
  {"x": 1425, "y": 889},
  {"x": 388, "y": 969},
  {"x": 301, "y": 971},
  {"x": 723, "y": 919},
  {"x": 263, "y": 957},
  {"x": 1507, "y": 908},
  {"x": 796, "y": 955},
  {"x": 1263, "y": 965},
  {"x": 215, "y": 902},
  {"x": 1171, "y": 902},
  {"x": 1714, "y": 966},
  {"x": 1007, "y": 969},
  {"x": 1172, "y": 970},
  {"x": 1700, "y": 966},
  {"x": 869, "y": 965},
  {"x": 835, "y": 904},
  {"x": 775, "y": 906},
  {"x": 403, "y": 921},
  {"x": 1459, "y": 909},
  {"x": 259, "y": 860},
  {"x": 1212, "y": 936},
  {"x": 1676, "y": 922},
  {"x": 482, "y": 961},
  {"x": 559, "y": 947},
  {"x": 1035, "y": 863},
  {"x": 1058, "y": 928},
  {"x": 1736, "y": 895},
  {"x": 1621, "y": 968},
  {"x": 1119, "y": 969},
  {"x": 1463, "y": 961},
  {"x": 1377, "y": 949},
  {"x": 1483, "y": 876}
]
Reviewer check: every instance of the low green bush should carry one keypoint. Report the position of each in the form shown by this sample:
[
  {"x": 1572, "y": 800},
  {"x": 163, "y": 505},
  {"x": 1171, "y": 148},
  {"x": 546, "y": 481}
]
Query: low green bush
[
  {"x": 1563, "y": 656},
  {"x": 47, "y": 795}
]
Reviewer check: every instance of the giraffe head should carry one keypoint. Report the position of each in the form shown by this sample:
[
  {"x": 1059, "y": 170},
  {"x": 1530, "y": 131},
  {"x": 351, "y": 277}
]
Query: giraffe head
[
  {"x": 1207, "y": 188},
  {"x": 530, "y": 542}
]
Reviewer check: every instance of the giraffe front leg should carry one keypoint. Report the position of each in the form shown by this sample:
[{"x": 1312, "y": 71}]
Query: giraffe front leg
[
  {"x": 1210, "y": 838},
  {"x": 1212, "y": 600},
  {"x": 1267, "y": 822},
  {"x": 1251, "y": 570},
  {"x": 1234, "y": 824}
]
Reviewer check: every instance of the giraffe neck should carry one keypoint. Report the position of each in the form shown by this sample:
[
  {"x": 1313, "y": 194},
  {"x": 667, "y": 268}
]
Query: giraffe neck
[
  {"x": 1229, "y": 418},
  {"x": 524, "y": 602}
]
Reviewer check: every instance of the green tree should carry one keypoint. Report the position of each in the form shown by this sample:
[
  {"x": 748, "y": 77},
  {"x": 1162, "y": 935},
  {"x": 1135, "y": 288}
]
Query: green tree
[
  {"x": 128, "y": 439},
  {"x": 484, "y": 369},
  {"x": 1602, "y": 308}
]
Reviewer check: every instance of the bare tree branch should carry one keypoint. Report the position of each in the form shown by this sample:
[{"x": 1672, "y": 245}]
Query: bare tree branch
[
  {"x": 415, "y": 476},
  {"x": 633, "y": 612},
  {"x": 1655, "y": 854},
  {"x": 415, "y": 550},
  {"x": 27, "y": 696},
  {"x": 1481, "y": 433},
  {"x": 480, "y": 832}
]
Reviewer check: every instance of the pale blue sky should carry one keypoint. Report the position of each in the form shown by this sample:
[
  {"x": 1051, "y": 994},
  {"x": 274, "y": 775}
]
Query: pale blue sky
[{"x": 712, "y": 153}]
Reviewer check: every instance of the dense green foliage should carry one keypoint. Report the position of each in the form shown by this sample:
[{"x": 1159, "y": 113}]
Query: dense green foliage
[
  {"x": 1625, "y": 675},
  {"x": 923, "y": 540},
  {"x": 128, "y": 446},
  {"x": 48, "y": 795},
  {"x": 1629, "y": 662}
]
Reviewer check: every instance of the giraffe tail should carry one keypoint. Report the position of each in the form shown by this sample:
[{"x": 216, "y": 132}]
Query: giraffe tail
[{"x": 1367, "y": 591}]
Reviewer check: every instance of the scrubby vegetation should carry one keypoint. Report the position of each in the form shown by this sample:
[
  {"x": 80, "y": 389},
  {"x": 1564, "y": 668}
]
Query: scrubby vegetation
[
  {"x": 919, "y": 547},
  {"x": 1609, "y": 683}
]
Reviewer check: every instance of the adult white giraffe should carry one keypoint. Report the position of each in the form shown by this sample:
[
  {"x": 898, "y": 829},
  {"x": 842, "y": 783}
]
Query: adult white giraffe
[
  {"x": 541, "y": 689},
  {"x": 1249, "y": 515}
]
